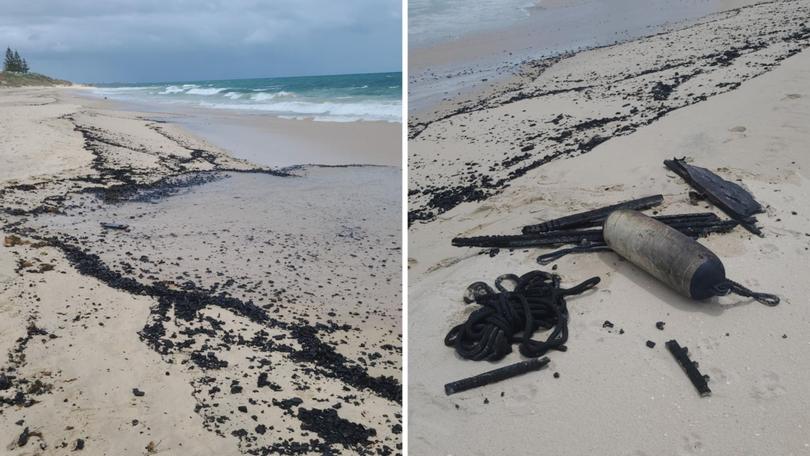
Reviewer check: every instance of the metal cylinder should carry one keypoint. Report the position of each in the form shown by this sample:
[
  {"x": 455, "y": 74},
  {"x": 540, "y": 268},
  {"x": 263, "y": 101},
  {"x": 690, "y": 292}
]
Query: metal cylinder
[{"x": 670, "y": 256}]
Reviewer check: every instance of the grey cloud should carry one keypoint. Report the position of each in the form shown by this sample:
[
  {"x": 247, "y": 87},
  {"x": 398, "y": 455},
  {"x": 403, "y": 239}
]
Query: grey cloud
[{"x": 111, "y": 40}]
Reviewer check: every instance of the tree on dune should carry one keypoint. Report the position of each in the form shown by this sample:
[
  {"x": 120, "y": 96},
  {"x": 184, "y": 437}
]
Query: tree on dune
[{"x": 14, "y": 63}]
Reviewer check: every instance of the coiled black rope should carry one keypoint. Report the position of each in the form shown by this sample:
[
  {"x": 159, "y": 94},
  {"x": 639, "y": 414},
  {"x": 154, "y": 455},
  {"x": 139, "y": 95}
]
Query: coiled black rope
[
  {"x": 508, "y": 317},
  {"x": 730, "y": 286}
]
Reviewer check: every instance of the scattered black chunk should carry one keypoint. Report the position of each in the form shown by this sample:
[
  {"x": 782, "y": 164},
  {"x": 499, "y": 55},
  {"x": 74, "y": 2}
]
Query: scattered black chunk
[
  {"x": 682, "y": 355},
  {"x": 261, "y": 429},
  {"x": 22, "y": 440},
  {"x": 651, "y": 344},
  {"x": 5, "y": 382},
  {"x": 333, "y": 429},
  {"x": 78, "y": 445},
  {"x": 114, "y": 226},
  {"x": 660, "y": 325},
  {"x": 556, "y": 375},
  {"x": 607, "y": 324},
  {"x": 496, "y": 375},
  {"x": 137, "y": 392}
]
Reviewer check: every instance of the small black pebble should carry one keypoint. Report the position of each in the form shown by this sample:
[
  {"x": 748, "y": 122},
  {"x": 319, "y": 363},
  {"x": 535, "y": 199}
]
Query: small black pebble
[
  {"x": 784, "y": 336},
  {"x": 242, "y": 409},
  {"x": 79, "y": 445},
  {"x": 607, "y": 324},
  {"x": 486, "y": 401},
  {"x": 650, "y": 344},
  {"x": 660, "y": 325},
  {"x": 137, "y": 392},
  {"x": 556, "y": 375},
  {"x": 501, "y": 393}
]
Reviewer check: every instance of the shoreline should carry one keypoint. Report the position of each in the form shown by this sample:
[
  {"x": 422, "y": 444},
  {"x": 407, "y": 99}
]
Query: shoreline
[
  {"x": 246, "y": 134},
  {"x": 147, "y": 315},
  {"x": 475, "y": 64}
]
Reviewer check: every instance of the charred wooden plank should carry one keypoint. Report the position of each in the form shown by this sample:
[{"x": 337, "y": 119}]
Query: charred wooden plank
[
  {"x": 496, "y": 375},
  {"x": 727, "y": 196},
  {"x": 582, "y": 219}
]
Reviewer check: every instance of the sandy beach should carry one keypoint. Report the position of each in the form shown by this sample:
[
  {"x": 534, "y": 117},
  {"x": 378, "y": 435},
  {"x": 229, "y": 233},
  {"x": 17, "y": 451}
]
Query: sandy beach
[
  {"x": 593, "y": 128},
  {"x": 162, "y": 294}
]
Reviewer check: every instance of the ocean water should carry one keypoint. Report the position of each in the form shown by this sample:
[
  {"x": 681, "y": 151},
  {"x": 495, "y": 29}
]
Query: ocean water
[
  {"x": 435, "y": 20},
  {"x": 589, "y": 22},
  {"x": 339, "y": 98}
]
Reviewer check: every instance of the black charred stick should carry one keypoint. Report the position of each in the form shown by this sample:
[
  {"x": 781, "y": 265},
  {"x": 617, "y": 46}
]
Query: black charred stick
[
  {"x": 517, "y": 241},
  {"x": 502, "y": 373},
  {"x": 687, "y": 217},
  {"x": 682, "y": 355},
  {"x": 671, "y": 220},
  {"x": 595, "y": 215}
]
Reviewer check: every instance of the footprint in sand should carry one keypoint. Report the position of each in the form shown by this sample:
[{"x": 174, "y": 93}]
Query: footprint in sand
[
  {"x": 768, "y": 387},
  {"x": 769, "y": 250},
  {"x": 693, "y": 443}
]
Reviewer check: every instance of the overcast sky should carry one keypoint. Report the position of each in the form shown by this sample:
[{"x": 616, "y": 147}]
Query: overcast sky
[{"x": 173, "y": 40}]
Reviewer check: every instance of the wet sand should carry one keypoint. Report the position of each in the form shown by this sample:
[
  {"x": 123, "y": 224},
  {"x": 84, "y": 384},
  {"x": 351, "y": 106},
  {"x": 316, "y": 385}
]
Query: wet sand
[
  {"x": 241, "y": 310},
  {"x": 278, "y": 142},
  {"x": 593, "y": 129},
  {"x": 465, "y": 65}
]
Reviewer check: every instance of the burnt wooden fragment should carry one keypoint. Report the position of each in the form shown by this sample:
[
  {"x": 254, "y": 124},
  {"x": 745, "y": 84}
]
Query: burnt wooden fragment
[
  {"x": 590, "y": 217},
  {"x": 728, "y": 196},
  {"x": 588, "y": 240},
  {"x": 682, "y": 355},
  {"x": 496, "y": 375}
]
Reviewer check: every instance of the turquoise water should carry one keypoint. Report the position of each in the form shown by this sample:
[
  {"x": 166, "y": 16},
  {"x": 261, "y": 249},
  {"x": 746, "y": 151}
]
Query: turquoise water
[{"x": 339, "y": 98}]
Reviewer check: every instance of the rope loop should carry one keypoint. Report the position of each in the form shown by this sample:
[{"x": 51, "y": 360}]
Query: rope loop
[{"x": 730, "y": 286}]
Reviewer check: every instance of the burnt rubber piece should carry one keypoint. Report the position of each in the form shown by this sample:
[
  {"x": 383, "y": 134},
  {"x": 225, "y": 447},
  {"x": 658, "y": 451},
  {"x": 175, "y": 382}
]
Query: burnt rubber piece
[
  {"x": 681, "y": 354},
  {"x": 582, "y": 219},
  {"x": 496, "y": 375},
  {"x": 728, "y": 196}
]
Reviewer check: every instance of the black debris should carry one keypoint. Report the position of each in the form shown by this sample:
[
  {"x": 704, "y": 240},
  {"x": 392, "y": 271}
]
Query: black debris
[
  {"x": 728, "y": 196},
  {"x": 114, "y": 226},
  {"x": 660, "y": 325},
  {"x": 490, "y": 330},
  {"x": 333, "y": 429},
  {"x": 650, "y": 344},
  {"x": 496, "y": 375},
  {"x": 607, "y": 324},
  {"x": 697, "y": 379},
  {"x": 594, "y": 216},
  {"x": 137, "y": 392}
]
